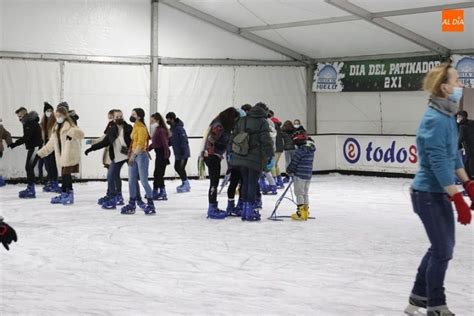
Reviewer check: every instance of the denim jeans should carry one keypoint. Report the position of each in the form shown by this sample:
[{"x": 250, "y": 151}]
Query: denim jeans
[
  {"x": 437, "y": 215},
  {"x": 139, "y": 168},
  {"x": 114, "y": 181},
  {"x": 248, "y": 190}
]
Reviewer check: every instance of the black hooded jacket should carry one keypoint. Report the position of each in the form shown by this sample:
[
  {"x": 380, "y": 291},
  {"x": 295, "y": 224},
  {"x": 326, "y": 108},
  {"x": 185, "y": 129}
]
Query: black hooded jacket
[
  {"x": 111, "y": 134},
  {"x": 466, "y": 136},
  {"x": 31, "y": 132}
]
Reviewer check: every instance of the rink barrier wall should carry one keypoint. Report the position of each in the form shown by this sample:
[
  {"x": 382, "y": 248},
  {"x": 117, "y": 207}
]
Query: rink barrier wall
[{"x": 387, "y": 155}]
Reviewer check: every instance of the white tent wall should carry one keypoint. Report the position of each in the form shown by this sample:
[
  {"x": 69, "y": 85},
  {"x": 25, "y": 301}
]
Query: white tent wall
[
  {"x": 377, "y": 113},
  {"x": 26, "y": 83},
  {"x": 77, "y": 27}
]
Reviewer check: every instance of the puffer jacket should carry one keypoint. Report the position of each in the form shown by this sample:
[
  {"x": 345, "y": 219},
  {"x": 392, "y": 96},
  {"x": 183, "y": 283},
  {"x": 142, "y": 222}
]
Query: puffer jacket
[
  {"x": 260, "y": 142},
  {"x": 179, "y": 141},
  {"x": 302, "y": 161},
  {"x": 32, "y": 136},
  {"x": 66, "y": 151}
]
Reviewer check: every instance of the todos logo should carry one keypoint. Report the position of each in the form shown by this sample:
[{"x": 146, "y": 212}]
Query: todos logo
[{"x": 392, "y": 154}]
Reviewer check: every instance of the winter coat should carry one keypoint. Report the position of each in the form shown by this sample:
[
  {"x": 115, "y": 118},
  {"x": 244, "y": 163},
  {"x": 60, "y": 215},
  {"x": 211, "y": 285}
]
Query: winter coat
[
  {"x": 287, "y": 136},
  {"x": 160, "y": 142},
  {"x": 4, "y": 136},
  {"x": 260, "y": 142},
  {"x": 466, "y": 137},
  {"x": 179, "y": 141},
  {"x": 302, "y": 161},
  {"x": 217, "y": 140},
  {"x": 66, "y": 151},
  {"x": 110, "y": 139},
  {"x": 32, "y": 136},
  {"x": 437, "y": 146}
]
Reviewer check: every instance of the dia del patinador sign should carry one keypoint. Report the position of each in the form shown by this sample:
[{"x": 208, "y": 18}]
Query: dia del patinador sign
[{"x": 373, "y": 75}]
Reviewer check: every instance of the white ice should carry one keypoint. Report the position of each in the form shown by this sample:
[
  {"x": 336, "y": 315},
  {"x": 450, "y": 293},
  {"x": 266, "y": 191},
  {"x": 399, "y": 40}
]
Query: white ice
[{"x": 359, "y": 257}]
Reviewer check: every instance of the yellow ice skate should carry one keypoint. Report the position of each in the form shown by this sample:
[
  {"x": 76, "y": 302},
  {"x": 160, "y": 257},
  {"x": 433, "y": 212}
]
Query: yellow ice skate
[{"x": 301, "y": 214}]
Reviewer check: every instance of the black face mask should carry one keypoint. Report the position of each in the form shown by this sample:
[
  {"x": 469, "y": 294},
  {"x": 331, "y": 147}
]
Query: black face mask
[
  {"x": 168, "y": 122},
  {"x": 133, "y": 119},
  {"x": 119, "y": 121}
]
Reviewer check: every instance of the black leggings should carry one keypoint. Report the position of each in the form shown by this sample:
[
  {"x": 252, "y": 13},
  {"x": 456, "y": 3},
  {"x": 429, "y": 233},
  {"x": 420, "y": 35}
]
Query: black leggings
[
  {"x": 213, "y": 163},
  {"x": 160, "y": 169},
  {"x": 51, "y": 168},
  {"x": 31, "y": 161},
  {"x": 235, "y": 179},
  {"x": 66, "y": 183},
  {"x": 180, "y": 167}
]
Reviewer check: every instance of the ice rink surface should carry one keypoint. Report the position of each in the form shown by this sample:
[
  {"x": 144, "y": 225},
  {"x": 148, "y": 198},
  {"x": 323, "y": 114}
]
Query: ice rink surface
[{"x": 359, "y": 256}]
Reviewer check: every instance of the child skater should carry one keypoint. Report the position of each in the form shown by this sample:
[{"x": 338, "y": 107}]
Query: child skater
[{"x": 301, "y": 168}]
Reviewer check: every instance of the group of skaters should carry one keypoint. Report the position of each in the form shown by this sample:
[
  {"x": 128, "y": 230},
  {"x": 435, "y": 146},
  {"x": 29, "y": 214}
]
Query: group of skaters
[{"x": 250, "y": 138}]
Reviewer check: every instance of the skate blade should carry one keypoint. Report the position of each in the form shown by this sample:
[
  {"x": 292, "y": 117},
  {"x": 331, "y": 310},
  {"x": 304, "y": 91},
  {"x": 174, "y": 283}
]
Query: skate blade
[{"x": 414, "y": 310}]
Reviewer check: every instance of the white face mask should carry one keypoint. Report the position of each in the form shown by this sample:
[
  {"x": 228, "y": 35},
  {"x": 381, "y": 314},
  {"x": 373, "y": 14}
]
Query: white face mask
[
  {"x": 296, "y": 125},
  {"x": 48, "y": 113},
  {"x": 60, "y": 119},
  {"x": 154, "y": 125}
]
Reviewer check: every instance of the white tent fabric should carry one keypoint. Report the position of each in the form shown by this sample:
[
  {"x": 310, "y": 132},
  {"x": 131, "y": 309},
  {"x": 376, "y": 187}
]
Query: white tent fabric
[{"x": 28, "y": 84}]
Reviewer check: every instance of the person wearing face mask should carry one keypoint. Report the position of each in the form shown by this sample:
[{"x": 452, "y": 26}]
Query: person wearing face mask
[
  {"x": 105, "y": 155},
  {"x": 47, "y": 123},
  {"x": 138, "y": 162},
  {"x": 7, "y": 137},
  {"x": 160, "y": 144},
  {"x": 33, "y": 141},
  {"x": 179, "y": 142},
  {"x": 117, "y": 140},
  {"x": 433, "y": 190},
  {"x": 65, "y": 142},
  {"x": 466, "y": 141}
]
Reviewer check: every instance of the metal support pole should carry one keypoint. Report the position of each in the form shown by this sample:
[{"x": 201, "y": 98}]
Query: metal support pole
[
  {"x": 154, "y": 58},
  {"x": 62, "y": 69},
  {"x": 310, "y": 100}
]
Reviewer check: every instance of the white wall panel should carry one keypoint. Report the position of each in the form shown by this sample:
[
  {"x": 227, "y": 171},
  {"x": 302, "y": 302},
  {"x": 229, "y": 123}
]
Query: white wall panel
[
  {"x": 96, "y": 27},
  {"x": 402, "y": 111},
  {"x": 195, "y": 94},
  {"x": 283, "y": 89},
  {"x": 349, "y": 112},
  {"x": 92, "y": 90},
  {"x": 28, "y": 84}
]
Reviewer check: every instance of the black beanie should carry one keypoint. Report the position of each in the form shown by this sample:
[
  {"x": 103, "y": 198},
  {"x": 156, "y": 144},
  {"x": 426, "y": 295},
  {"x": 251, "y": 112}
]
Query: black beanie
[
  {"x": 140, "y": 113},
  {"x": 47, "y": 107}
]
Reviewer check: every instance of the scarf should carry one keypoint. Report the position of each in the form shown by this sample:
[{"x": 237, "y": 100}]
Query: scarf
[{"x": 444, "y": 105}]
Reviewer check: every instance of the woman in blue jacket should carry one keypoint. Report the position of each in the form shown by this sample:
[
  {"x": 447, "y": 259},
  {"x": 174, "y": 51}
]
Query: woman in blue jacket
[
  {"x": 433, "y": 188},
  {"x": 179, "y": 142}
]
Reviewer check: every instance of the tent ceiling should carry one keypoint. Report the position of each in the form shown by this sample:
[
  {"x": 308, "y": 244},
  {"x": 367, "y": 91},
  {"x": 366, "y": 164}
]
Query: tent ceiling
[
  {"x": 334, "y": 40},
  {"x": 348, "y": 36}
]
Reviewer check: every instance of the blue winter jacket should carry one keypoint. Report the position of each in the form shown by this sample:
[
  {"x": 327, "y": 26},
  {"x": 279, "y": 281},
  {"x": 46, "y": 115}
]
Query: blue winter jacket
[
  {"x": 179, "y": 141},
  {"x": 437, "y": 146},
  {"x": 302, "y": 162}
]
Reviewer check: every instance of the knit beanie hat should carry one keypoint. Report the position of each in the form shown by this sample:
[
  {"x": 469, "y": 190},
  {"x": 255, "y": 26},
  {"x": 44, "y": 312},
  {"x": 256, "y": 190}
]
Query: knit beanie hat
[{"x": 47, "y": 107}]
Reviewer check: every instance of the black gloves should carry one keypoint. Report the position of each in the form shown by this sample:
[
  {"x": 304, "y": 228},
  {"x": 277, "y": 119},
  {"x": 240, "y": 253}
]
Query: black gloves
[
  {"x": 87, "y": 151},
  {"x": 7, "y": 235},
  {"x": 11, "y": 146},
  {"x": 1, "y": 154}
]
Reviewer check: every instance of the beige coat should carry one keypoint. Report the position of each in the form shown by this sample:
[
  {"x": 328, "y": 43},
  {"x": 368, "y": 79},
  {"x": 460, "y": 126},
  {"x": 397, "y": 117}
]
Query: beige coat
[
  {"x": 70, "y": 153},
  {"x": 4, "y": 135}
]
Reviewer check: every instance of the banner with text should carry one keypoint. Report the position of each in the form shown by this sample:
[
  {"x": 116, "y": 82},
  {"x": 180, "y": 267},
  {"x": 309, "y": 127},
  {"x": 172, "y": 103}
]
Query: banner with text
[
  {"x": 373, "y": 75},
  {"x": 397, "y": 154},
  {"x": 465, "y": 67}
]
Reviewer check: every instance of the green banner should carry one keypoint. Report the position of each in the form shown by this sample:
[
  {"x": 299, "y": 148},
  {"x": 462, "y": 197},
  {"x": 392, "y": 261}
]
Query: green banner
[{"x": 373, "y": 75}]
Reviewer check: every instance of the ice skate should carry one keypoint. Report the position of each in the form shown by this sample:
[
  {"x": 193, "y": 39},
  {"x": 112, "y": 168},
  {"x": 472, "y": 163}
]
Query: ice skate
[
  {"x": 213, "y": 212},
  {"x": 416, "y": 305},
  {"x": 28, "y": 193},
  {"x": 301, "y": 214}
]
